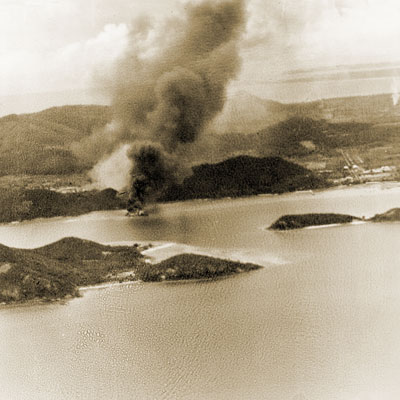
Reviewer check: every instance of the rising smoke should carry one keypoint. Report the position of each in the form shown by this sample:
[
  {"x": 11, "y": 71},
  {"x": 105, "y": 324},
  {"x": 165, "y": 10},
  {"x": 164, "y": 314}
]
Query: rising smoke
[{"x": 167, "y": 99}]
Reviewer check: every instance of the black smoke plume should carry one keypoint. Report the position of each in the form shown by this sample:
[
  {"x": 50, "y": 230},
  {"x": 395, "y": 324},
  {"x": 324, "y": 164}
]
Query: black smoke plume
[
  {"x": 151, "y": 172},
  {"x": 169, "y": 98}
]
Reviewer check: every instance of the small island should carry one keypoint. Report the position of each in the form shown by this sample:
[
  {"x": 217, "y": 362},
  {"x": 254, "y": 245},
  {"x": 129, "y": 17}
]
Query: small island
[
  {"x": 299, "y": 221},
  {"x": 56, "y": 271}
]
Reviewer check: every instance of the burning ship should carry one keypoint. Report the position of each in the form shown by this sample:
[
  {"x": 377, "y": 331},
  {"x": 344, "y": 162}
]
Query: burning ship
[
  {"x": 137, "y": 197},
  {"x": 164, "y": 100}
]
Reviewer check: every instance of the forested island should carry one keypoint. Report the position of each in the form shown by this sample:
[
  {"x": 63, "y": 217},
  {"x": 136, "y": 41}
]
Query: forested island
[
  {"x": 192, "y": 266},
  {"x": 56, "y": 271},
  {"x": 299, "y": 221},
  {"x": 244, "y": 176}
]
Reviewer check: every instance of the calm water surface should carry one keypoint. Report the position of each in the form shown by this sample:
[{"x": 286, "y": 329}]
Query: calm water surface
[{"x": 321, "y": 321}]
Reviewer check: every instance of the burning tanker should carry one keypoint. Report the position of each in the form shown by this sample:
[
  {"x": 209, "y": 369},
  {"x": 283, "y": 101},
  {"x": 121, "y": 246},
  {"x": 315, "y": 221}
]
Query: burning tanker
[
  {"x": 151, "y": 172},
  {"x": 163, "y": 100}
]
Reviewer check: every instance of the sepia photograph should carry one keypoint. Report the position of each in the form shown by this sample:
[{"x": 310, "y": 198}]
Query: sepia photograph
[{"x": 199, "y": 200}]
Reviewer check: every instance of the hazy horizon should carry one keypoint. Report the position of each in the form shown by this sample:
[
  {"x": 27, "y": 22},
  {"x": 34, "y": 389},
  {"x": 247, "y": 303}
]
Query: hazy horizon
[
  {"x": 57, "y": 52},
  {"x": 290, "y": 92}
]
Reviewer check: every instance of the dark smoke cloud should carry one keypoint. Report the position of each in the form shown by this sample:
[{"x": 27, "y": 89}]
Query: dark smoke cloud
[
  {"x": 152, "y": 170},
  {"x": 170, "y": 98}
]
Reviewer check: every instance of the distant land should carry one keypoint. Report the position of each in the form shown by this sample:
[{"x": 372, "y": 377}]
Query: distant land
[
  {"x": 40, "y": 143},
  {"x": 295, "y": 86},
  {"x": 312, "y": 134},
  {"x": 35, "y": 102},
  {"x": 246, "y": 113},
  {"x": 257, "y": 146}
]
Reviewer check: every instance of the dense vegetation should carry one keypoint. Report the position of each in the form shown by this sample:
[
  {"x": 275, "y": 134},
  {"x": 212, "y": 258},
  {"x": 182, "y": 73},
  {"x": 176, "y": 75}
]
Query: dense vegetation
[
  {"x": 57, "y": 270},
  {"x": 21, "y": 204},
  {"x": 191, "y": 266},
  {"x": 243, "y": 176},
  {"x": 240, "y": 176},
  {"x": 298, "y": 221}
]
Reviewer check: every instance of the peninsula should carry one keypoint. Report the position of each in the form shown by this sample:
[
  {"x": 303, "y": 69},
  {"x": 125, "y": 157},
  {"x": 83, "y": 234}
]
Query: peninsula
[{"x": 56, "y": 271}]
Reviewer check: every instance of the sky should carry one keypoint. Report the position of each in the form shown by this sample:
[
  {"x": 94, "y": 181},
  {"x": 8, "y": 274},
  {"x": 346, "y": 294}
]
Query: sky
[{"x": 58, "y": 51}]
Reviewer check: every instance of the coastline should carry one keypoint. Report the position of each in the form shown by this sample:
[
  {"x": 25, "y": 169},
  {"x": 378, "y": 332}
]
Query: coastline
[
  {"x": 187, "y": 258},
  {"x": 111, "y": 285},
  {"x": 120, "y": 213},
  {"x": 106, "y": 285},
  {"x": 160, "y": 250}
]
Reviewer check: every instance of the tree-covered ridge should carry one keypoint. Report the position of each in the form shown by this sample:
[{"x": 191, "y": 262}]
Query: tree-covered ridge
[
  {"x": 57, "y": 270},
  {"x": 244, "y": 176}
]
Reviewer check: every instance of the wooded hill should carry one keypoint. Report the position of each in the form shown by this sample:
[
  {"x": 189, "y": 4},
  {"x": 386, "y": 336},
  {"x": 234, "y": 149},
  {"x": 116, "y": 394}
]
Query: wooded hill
[{"x": 40, "y": 143}]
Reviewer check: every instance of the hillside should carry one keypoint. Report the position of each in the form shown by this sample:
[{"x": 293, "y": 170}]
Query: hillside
[
  {"x": 322, "y": 146},
  {"x": 245, "y": 113},
  {"x": 244, "y": 176},
  {"x": 361, "y": 109},
  {"x": 57, "y": 270},
  {"x": 39, "y": 143}
]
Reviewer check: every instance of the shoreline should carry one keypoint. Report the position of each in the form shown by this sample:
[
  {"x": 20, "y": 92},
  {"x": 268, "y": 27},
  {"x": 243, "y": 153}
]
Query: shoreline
[
  {"x": 156, "y": 251},
  {"x": 335, "y": 225},
  {"x": 146, "y": 275},
  {"x": 380, "y": 185},
  {"x": 107, "y": 285},
  {"x": 111, "y": 285}
]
